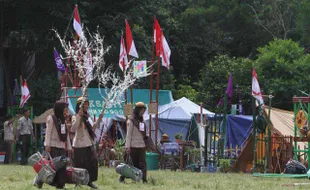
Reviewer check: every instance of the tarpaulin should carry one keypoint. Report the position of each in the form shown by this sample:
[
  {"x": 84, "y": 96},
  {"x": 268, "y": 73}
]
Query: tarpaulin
[
  {"x": 173, "y": 127},
  {"x": 239, "y": 128}
]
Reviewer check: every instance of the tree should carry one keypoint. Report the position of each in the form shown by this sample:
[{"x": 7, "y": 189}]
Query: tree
[
  {"x": 275, "y": 16},
  {"x": 214, "y": 77},
  {"x": 282, "y": 66},
  {"x": 186, "y": 91},
  {"x": 44, "y": 93}
]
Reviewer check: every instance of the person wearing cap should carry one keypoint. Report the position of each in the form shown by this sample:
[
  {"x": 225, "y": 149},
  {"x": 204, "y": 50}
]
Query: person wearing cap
[
  {"x": 164, "y": 139},
  {"x": 85, "y": 155},
  {"x": 23, "y": 134},
  {"x": 135, "y": 145},
  {"x": 8, "y": 139}
]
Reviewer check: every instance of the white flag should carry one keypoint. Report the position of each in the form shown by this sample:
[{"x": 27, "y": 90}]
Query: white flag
[
  {"x": 25, "y": 95},
  {"x": 123, "y": 60},
  {"x": 165, "y": 52},
  {"x": 77, "y": 23},
  {"x": 256, "y": 92},
  {"x": 131, "y": 47}
]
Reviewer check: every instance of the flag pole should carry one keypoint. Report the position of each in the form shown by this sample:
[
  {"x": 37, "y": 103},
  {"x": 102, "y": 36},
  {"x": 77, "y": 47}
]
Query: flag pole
[
  {"x": 130, "y": 65},
  {"x": 157, "y": 90},
  {"x": 151, "y": 84},
  {"x": 21, "y": 80},
  {"x": 125, "y": 92},
  {"x": 131, "y": 93}
]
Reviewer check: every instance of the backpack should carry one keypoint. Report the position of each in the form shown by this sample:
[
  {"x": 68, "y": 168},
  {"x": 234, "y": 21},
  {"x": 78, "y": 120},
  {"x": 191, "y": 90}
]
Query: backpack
[{"x": 295, "y": 167}]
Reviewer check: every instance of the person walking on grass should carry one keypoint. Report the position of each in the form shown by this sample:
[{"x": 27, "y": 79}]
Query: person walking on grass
[
  {"x": 85, "y": 155},
  {"x": 57, "y": 141},
  {"x": 24, "y": 135},
  {"x": 8, "y": 139},
  {"x": 135, "y": 145}
]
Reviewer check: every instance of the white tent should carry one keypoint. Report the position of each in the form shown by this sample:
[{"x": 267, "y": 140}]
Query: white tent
[
  {"x": 181, "y": 109},
  {"x": 176, "y": 117}
]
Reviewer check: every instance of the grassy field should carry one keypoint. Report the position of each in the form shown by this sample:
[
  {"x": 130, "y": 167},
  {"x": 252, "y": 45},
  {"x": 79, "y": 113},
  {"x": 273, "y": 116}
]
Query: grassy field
[{"x": 21, "y": 177}]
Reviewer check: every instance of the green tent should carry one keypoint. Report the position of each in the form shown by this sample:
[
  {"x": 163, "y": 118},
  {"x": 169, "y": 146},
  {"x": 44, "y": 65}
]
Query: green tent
[{"x": 96, "y": 102}]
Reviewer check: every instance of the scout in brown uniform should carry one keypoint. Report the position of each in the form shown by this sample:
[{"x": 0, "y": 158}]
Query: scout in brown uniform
[
  {"x": 135, "y": 146},
  {"x": 57, "y": 140},
  {"x": 8, "y": 139},
  {"x": 24, "y": 134},
  {"x": 83, "y": 143}
]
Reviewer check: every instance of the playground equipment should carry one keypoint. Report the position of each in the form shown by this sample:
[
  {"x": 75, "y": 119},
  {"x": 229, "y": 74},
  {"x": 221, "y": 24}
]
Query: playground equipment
[{"x": 301, "y": 128}]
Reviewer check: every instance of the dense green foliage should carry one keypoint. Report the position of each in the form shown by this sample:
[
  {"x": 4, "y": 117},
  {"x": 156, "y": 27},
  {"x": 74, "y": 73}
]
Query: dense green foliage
[
  {"x": 284, "y": 69},
  {"x": 214, "y": 78},
  {"x": 208, "y": 39},
  {"x": 43, "y": 90}
]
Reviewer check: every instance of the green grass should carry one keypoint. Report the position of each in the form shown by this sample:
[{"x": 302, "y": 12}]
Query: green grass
[{"x": 21, "y": 177}]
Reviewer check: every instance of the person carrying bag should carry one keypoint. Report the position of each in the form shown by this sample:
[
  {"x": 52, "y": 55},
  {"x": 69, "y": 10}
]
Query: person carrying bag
[
  {"x": 136, "y": 140},
  {"x": 57, "y": 141}
]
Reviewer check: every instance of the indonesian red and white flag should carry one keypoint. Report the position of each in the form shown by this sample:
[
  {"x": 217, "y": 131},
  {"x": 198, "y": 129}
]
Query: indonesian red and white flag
[
  {"x": 77, "y": 23},
  {"x": 25, "y": 94},
  {"x": 157, "y": 36},
  {"x": 256, "y": 92},
  {"x": 123, "y": 60},
  {"x": 165, "y": 52},
  {"x": 131, "y": 47}
]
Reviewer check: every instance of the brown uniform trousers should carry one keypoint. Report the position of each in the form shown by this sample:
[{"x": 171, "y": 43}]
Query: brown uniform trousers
[
  {"x": 87, "y": 158},
  {"x": 138, "y": 158}
]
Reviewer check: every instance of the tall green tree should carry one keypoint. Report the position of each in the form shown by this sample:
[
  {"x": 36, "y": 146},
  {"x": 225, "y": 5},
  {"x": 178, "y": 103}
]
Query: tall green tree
[
  {"x": 214, "y": 77},
  {"x": 282, "y": 67}
]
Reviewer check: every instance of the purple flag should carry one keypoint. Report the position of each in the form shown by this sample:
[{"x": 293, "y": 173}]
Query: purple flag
[
  {"x": 58, "y": 61},
  {"x": 229, "y": 91}
]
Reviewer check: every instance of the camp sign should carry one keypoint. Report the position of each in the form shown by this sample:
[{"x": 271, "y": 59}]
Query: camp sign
[{"x": 96, "y": 102}]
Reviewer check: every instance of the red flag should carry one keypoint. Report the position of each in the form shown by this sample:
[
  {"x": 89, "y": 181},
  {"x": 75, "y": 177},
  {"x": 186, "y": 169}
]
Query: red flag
[
  {"x": 77, "y": 22},
  {"x": 256, "y": 92},
  {"x": 123, "y": 60},
  {"x": 25, "y": 94},
  {"x": 131, "y": 47},
  {"x": 165, "y": 52},
  {"x": 157, "y": 36}
]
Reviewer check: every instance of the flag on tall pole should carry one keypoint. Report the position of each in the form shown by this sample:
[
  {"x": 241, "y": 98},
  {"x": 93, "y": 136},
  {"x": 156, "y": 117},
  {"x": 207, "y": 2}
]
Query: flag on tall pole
[
  {"x": 131, "y": 47},
  {"x": 157, "y": 36},
  {"x": 165, "y": 52},
  {"x": 25, "y": 94},
  {"x": 60, "y": 66},
  {"x": 123, "y": 60},
  {"x": 229, "y": 91},
  {"x": 77, "y": 22},
  {"x": 256, "y": 92}
]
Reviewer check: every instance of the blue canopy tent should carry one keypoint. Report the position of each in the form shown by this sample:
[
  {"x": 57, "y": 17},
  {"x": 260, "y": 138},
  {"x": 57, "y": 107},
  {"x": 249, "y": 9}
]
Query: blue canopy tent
[{"x": 239, "y": 128}]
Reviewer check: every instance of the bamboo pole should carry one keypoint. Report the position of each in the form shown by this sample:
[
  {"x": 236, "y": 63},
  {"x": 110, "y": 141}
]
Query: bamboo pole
[{"x": 157, "y": 90}]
